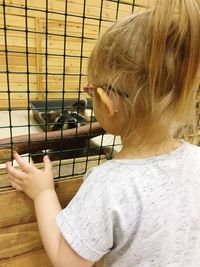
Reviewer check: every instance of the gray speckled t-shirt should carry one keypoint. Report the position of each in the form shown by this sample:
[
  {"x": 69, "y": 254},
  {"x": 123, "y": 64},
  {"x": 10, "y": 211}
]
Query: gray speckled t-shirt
[{"x": 138, "y": 213}]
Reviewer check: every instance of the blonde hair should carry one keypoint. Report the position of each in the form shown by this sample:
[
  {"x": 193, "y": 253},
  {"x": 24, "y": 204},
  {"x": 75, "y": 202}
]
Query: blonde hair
[{"x": 154, "y": 57}]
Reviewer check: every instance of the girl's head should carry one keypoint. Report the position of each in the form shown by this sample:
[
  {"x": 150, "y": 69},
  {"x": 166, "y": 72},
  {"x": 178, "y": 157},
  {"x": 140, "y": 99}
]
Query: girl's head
[{"x": 153, "y": 58}]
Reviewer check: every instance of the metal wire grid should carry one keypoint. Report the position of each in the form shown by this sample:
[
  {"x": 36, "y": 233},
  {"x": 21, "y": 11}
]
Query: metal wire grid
[
  {"x": 65, "y": 14},
  {"x": 7, "y": 51}
]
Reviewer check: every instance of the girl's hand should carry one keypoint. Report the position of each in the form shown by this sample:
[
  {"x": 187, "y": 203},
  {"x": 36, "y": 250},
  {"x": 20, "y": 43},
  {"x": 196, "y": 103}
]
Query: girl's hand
[{"x": 29, "y": 179}]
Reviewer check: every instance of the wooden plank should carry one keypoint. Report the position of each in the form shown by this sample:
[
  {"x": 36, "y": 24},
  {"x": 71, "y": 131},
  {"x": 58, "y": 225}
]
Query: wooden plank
[
  {"x": 74, "y": 27},
  {"x": 75, "y": 7},
  {"x": 73, "y": 44},
  {"x": 71, "y": 83},
  {"x": 17, "y": 34},
  {"x": 20, "y": 239},
  {"x": 72, "y": 69},
  {"x": 1, "y": 17},
  {"x": 59, "y": 5},
  {"x": 19, "y": 41},
  {"x": 20, "y": 95},
  {"x": 54, "y": 47},
  {"x": 16, "y": 78},
  {"x": 36, "y": 258},
  {"x": 14, "y": 215},
  {"x": 13, "y": 21},
  {"x": 18, "y": 61},
  {"x": 16, "y": 48},
  {"x": 55, "y": 79},
  {"x": 19, "y": 88}
]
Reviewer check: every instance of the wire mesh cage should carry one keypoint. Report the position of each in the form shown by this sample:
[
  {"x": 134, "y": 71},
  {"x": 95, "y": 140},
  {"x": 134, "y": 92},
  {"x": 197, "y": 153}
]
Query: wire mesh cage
[{"x": 44, "y": 49}]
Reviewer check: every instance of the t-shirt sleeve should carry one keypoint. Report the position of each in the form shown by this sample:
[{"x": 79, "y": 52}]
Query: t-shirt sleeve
[{"x": 86, "y": 223}]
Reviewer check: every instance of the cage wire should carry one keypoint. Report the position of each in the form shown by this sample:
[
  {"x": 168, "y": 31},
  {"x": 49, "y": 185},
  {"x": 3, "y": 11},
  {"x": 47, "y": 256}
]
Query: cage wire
[{"x": 44, "y": 49}]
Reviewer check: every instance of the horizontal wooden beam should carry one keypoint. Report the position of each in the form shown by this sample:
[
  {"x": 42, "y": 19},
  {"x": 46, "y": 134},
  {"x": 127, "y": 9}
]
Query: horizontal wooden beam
[
  {"x": 35, "y": 258},
  {"x": 69, "y": 139}
]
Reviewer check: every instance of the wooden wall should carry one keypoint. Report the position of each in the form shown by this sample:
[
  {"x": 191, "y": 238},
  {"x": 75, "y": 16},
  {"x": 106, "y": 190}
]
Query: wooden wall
[
  {"x": 30, "y": 48},
  {"x": 20, "y": 243}
]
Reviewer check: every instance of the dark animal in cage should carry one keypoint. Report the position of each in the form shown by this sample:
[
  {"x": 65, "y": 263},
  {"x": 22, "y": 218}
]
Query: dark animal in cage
[
  {"x": 59, "y": 120},
  {"x": 66, "y": 119}
]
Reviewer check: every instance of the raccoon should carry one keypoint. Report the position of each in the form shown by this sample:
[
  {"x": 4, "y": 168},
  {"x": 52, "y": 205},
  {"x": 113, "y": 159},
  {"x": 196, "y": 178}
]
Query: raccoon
[
  {"x": 67, "y": 119},
  {"x": 57, "y": 120}
]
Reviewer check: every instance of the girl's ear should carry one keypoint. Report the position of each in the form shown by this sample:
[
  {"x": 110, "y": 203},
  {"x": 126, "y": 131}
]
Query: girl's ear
[{"x": 109, "y": 101}]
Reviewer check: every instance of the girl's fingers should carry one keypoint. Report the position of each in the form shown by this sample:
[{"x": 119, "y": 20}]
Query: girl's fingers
[
  {"x": 16, "y": 185},
  {"x": 15, "y": 180},
  {"x": 47, "y": 163},
  {"x": 15, "y": 172},
  {"x": 27, "y": 167}
]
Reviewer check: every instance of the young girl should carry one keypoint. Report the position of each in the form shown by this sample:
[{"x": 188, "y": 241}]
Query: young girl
[{"x": 143, "y": 207}]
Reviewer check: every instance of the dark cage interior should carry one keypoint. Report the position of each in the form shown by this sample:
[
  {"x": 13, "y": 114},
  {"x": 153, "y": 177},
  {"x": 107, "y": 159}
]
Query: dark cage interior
[{"x": 44, "y": 49}]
